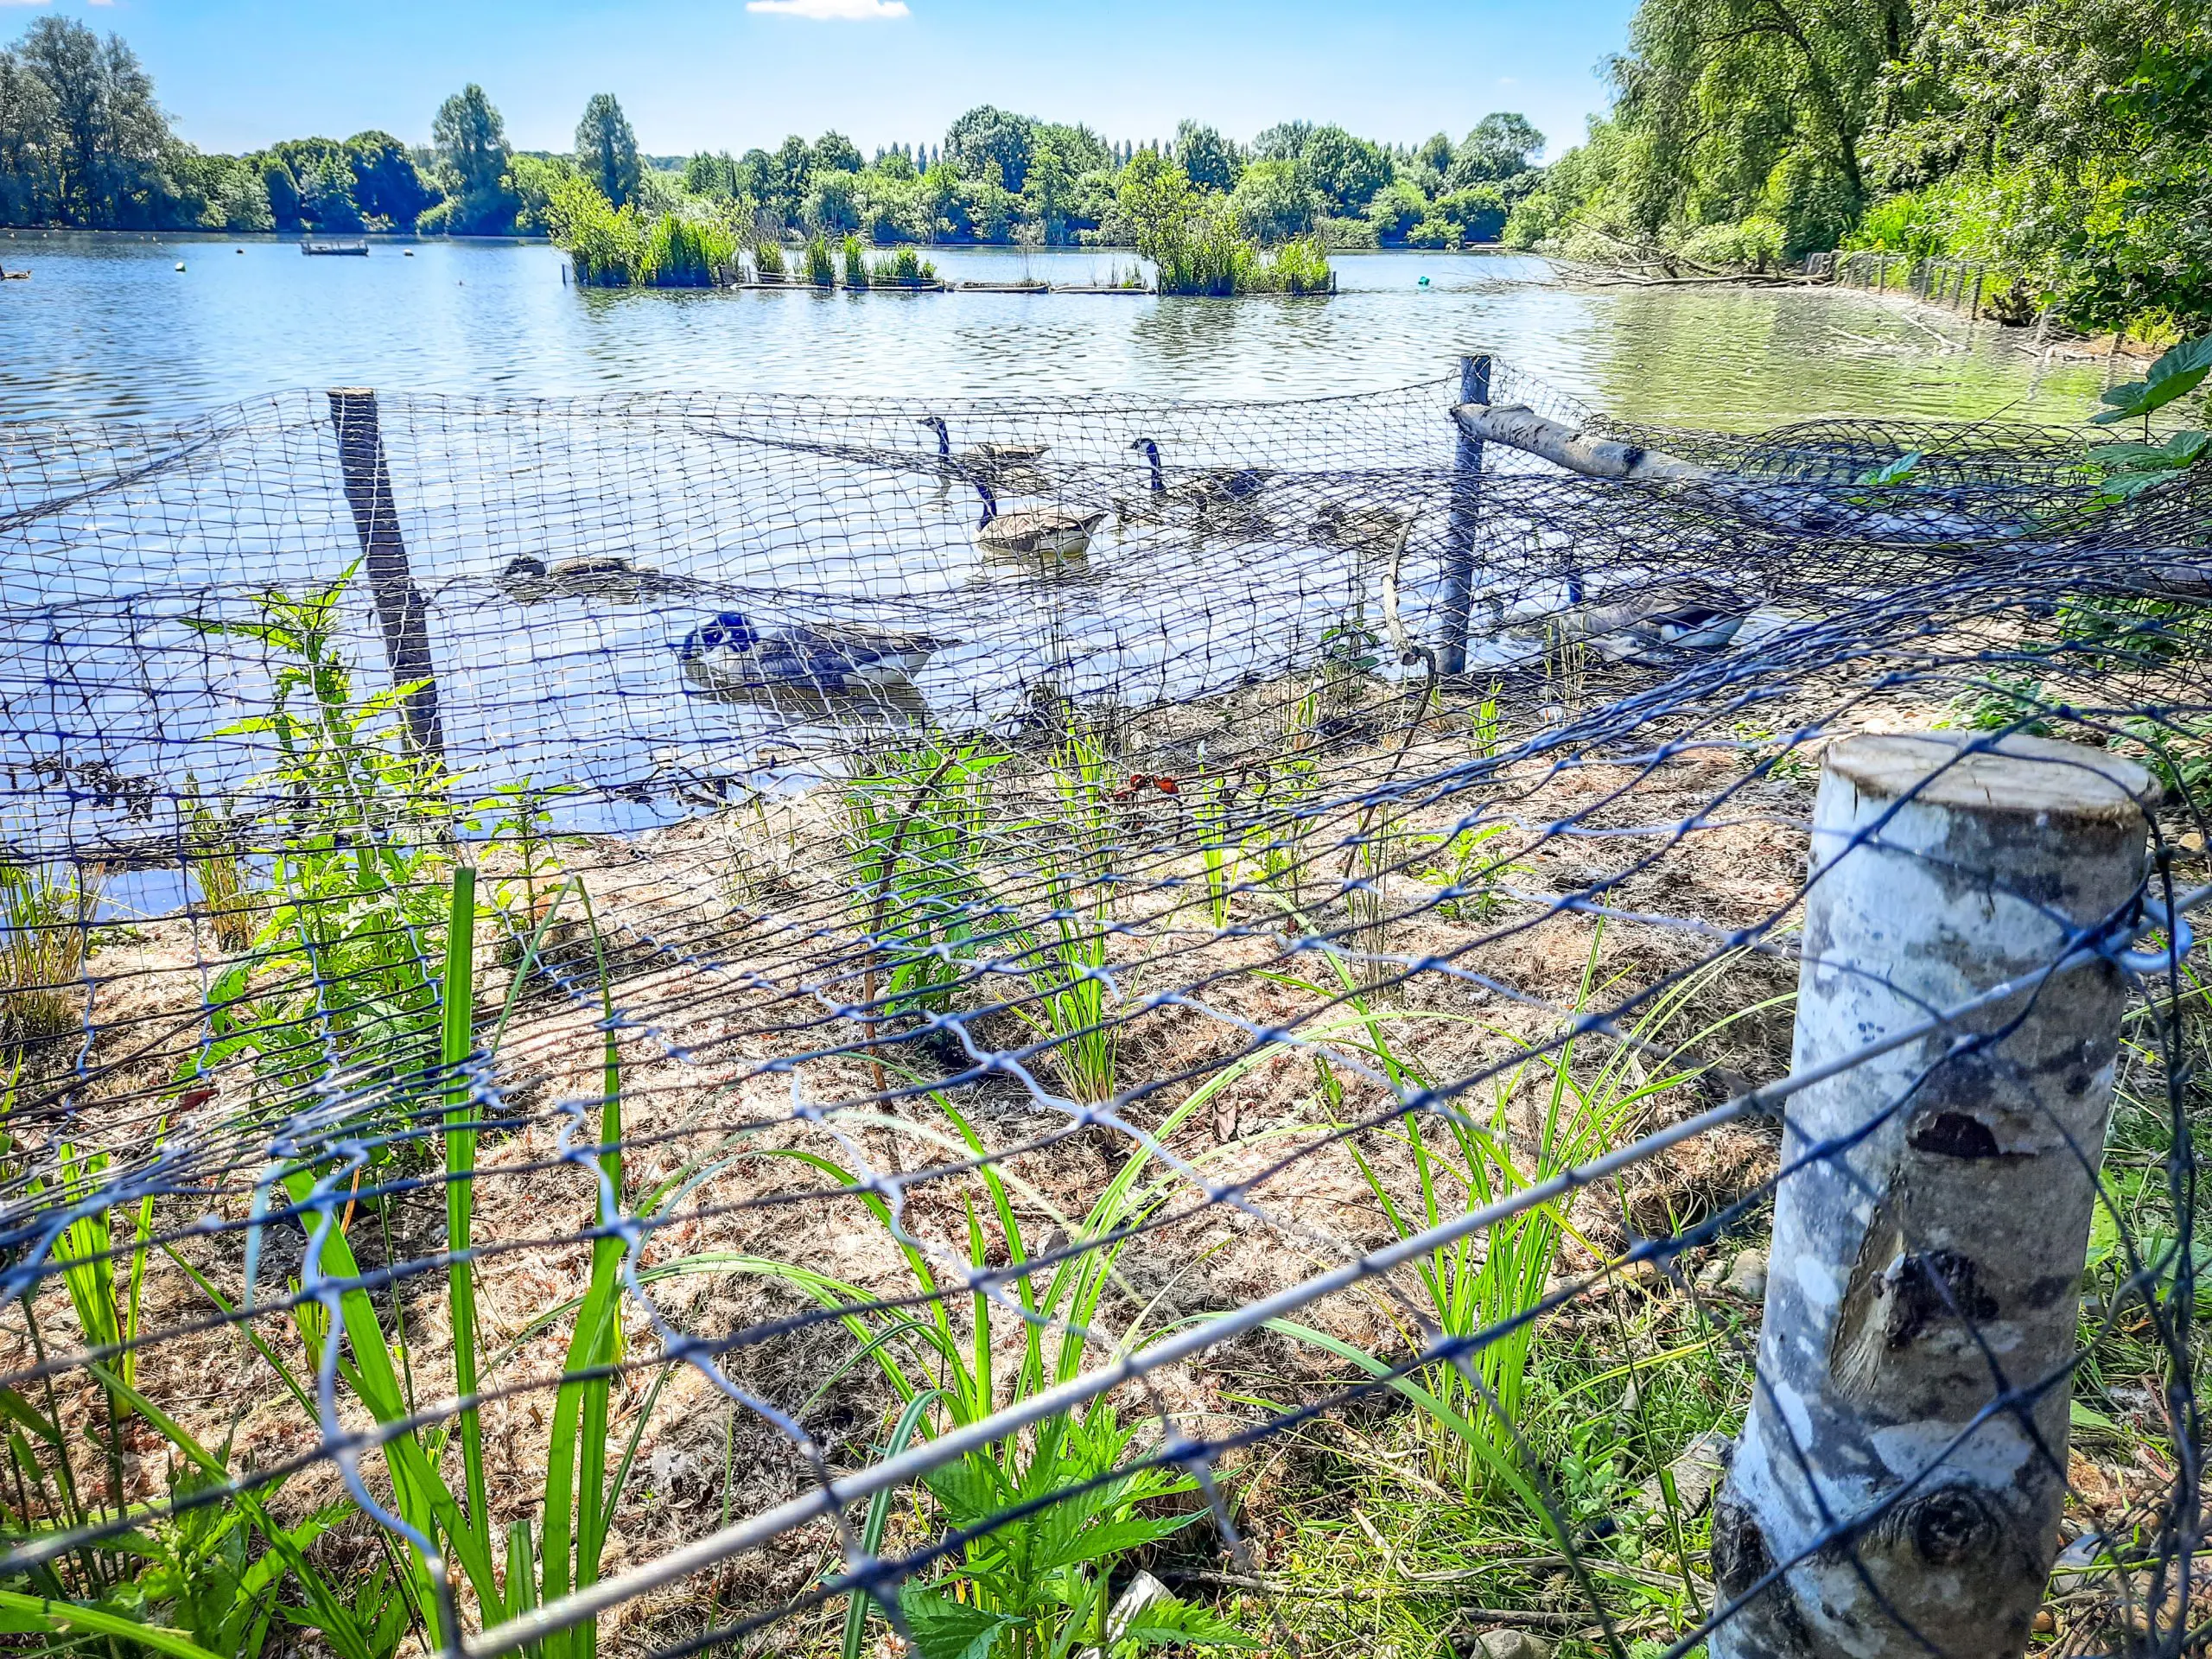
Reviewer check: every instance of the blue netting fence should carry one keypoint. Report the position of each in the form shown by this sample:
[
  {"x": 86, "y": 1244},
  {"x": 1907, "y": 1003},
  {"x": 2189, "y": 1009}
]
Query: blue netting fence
[{"x": 662, "y": 1023}]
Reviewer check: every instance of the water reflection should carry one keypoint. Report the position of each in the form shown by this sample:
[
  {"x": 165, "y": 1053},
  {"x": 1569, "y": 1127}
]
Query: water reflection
[{"x": 107, "y": 328}]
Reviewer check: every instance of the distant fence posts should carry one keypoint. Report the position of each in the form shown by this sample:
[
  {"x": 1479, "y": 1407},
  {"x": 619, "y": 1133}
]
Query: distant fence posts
[
  {"x": 1466, "y": 509},
  {"x": 1944, "y": 1241},
  {"x": 400, "y": 607},
  {"x": 1952, "y": 283}
]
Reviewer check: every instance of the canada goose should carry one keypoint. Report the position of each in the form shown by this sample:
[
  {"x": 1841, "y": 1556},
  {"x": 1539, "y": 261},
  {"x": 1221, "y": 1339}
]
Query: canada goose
[
  {"x": 591, "y": 575},
  {"x": 1214, "y": 487},
  {"x": 1036, "y": 531},
  {"x": 729, "y": 654},
  {"x": 993, "y": 462}
]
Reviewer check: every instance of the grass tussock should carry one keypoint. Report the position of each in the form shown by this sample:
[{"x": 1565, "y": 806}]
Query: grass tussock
[{"x": 46, "y": 919}]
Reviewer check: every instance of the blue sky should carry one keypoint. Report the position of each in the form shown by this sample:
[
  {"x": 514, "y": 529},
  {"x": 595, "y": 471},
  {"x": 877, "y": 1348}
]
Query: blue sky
[{"x": 721, "y": 74}]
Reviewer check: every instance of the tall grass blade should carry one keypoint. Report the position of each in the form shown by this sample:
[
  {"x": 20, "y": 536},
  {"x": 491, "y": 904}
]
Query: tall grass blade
[
  {"x": 457, "y": 1042},
  {"x": 879, "y": 1516}
]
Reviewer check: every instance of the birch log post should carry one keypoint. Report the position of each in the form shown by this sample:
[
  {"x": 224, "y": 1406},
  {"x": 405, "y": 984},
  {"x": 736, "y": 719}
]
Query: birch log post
[{"x": 1948, "y": 1242}]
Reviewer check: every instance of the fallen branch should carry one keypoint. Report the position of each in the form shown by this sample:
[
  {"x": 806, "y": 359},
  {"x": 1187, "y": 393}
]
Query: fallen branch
[
  {"x": 1803, "y": 507},
  {"x": 1518, "y": 427}
]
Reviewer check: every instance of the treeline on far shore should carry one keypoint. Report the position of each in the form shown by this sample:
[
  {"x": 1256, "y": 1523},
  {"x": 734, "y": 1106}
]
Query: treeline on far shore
[{"x": 83, "y": 143}]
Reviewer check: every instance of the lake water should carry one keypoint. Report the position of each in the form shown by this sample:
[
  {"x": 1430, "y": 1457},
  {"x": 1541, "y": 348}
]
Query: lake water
[
  {"x": 107, "y": 327},
  {"x": 788, "y": 477}
]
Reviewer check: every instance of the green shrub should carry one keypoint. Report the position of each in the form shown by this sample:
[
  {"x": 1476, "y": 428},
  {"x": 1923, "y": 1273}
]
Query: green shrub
[
  {"x": 1913, "y": 222},
  {"x": 1755, "y": 244},
  {"x": 768, "y": 260},
  {"x": 683, "y": 253},
  {"x": 632, "y": 246},
  {"x": 856, "y": 263},
  {"x": 821, "y": 267},
  {"x": 905, "y": 268},
  {"x": 1298, "y": 266},
  {"x": 337, "y": 971},
  {"x": 46, "y": 915},
  {"x": 1355, "y": 235}
]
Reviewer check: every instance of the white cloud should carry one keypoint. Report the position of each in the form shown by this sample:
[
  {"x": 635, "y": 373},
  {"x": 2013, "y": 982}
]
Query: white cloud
[{"x": 829, "y": 10}]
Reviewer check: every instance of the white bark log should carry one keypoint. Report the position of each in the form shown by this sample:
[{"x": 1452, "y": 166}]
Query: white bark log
[
  {"x": 1519, "y": 427},
  {"x": 1960, "y": 1221},
  {"x": 1799, "y": 508}
]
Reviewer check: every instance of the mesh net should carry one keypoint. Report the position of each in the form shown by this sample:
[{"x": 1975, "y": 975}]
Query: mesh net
[{"x": 665, "y": 1022}]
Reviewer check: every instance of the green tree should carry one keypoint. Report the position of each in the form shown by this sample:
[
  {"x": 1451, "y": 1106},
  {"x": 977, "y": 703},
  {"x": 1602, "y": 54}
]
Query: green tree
[
  {"x": 833, "y": 202},
  {"x": 1348, "y": 171},
  {"x": 1049, "y": 191},
  {"x": 388, "y": 187},
  {"x": 1394, "y": 211},
  {"x": 228, "y": 190},
  {"x": 783, "y": 185},
  {"x": 1158, "y": 201},
  {"x": 30, "y": 180},
  {"x": 1284, "y": 142},
  {"x": 1501, "y": 145},
  {"x": 941, "y": 203},
  {"x": 988, "y": 143},
  {"x": 833, "y": 153},
  {"x": 327, "y": 195},
  {"x": 107, "y": 138},
  {"x": 1212, "y": 161},
  {"x": 2145, "y": 245},
  {"x": 1273, "y": 203},
  {"x": 471, "y": 142},
  {"x": 534, "y": 180},
  {"x": 713, "y": 176},
  {"x": 606, "y": 149}
]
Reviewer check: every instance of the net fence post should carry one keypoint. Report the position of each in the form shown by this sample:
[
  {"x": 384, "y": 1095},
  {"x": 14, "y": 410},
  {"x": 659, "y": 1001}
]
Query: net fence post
[
  {"x": 401, "y": 610},
  {"x": 1466, "y": 509},
  {"x": 1946, "y": 1244}
]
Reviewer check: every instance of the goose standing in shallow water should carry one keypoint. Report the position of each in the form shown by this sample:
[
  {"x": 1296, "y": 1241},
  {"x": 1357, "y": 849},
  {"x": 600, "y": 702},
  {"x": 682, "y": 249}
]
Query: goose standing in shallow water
[
  {"x": 1034, "y": 531},
  {"x": 729, "y": 654}
]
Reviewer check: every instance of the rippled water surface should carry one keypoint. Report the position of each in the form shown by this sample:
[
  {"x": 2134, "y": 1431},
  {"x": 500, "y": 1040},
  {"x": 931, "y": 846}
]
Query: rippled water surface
[{"x": 107, "y": 327}]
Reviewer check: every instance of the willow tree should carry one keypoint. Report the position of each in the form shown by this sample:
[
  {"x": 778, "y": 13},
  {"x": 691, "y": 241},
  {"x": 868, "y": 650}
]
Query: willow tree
[{"x": 1760, "y": 105}]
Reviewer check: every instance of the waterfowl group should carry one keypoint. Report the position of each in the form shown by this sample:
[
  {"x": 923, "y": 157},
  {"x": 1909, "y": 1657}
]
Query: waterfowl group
[{"x": 730, "y": 655}]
